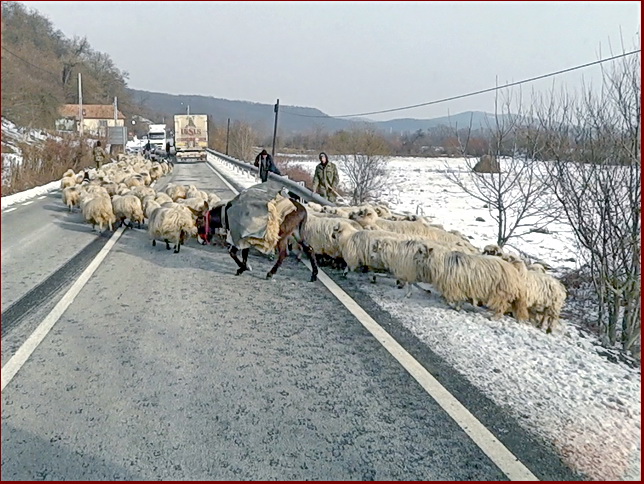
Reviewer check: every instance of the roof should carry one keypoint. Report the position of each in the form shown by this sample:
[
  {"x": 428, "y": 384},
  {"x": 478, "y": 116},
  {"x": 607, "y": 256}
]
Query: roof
[{"x": 91, "y": 111}]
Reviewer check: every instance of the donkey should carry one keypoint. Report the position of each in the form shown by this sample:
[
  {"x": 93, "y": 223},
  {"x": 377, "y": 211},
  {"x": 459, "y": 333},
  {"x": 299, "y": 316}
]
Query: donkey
[{"x": 292, "y": 225}]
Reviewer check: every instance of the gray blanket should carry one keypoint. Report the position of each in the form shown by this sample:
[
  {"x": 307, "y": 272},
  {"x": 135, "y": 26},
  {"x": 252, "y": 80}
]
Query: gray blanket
[{"x": 248, "y": 213}]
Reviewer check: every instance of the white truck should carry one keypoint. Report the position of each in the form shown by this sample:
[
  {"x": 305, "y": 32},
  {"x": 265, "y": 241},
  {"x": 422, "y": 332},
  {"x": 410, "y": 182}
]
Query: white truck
[
  {"x": 191, "y": 135},
  {"x": 157, "y": 136}
]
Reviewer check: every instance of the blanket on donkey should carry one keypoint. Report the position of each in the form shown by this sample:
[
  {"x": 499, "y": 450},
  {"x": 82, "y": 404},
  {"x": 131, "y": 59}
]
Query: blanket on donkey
[{"x": 255, "y": 216}]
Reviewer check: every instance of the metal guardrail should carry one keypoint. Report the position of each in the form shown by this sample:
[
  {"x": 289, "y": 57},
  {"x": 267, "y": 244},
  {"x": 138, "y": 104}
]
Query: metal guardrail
[{"x": 293, "y": 186}]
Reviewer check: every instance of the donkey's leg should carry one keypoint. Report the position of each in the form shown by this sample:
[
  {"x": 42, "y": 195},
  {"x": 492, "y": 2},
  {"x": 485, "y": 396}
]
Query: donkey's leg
[
  {"x": 281, "y": 245},
  {"x": 314, "y": 264},
  {"x": 167, "y": 244},
  {"x": 240, "y": 265},
  {"x": 245, "y": 259}
]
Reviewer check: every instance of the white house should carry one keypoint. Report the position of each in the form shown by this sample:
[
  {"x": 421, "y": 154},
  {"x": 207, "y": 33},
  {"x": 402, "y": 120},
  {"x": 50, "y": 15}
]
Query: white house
[{"x": 96, "y": 118}]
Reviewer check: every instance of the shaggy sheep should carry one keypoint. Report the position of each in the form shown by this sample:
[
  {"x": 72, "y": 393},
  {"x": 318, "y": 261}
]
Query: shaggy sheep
[
  {"x": 213, "y": 199},
  {"x": 545, "y": 296},
  {"x": 156, "y": 171},
  {"x": 97, "y": 210},
  {"x": 175, "y": 192},
  {"x": 71, "y": 197},
  {"x": 368, "y": 218},
  {"x": 171, "y": 225},
  {"x": 149, "y": 206},
  {"x": 398, "y": 256},
  {"x": 316, "y": 207},
  {"x": 318, "y": 233},
  {"x": 488, "y": 279},
  {"x": 196, "y": 204},
  {"x": 134, "y": 181},
  {"x": 355, "y": 246},
  {"x": 537, "y": 268},
  {"x": 68, "y": 179},
  {"x": 128, "y": 207},
  {"x": 162, "y": 198},
  {"x": 142, "y": 192}
]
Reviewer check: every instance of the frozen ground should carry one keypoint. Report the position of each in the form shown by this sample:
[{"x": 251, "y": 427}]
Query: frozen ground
[{"x": 557, "y": 385}]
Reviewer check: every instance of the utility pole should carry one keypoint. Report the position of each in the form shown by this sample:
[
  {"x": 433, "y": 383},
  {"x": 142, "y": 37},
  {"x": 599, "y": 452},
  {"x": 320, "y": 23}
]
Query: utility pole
[
  {"x": 227, "y": 135},
  {"x": 188, "y": 113},
  {"x": 277, "y": 108},
  {"x": 80, "y": 104}
]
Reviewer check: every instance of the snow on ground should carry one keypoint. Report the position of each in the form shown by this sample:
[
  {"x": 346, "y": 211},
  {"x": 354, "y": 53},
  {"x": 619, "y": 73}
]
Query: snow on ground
[
  {"x": 556, "y": 385},
  {"x": 419, "y": 186},
  {"x": 28, "y": 194}
]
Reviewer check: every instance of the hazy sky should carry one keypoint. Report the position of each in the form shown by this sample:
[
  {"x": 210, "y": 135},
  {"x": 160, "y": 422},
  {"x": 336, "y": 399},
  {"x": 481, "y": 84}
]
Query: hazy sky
[{"x": 349, "y": 57}]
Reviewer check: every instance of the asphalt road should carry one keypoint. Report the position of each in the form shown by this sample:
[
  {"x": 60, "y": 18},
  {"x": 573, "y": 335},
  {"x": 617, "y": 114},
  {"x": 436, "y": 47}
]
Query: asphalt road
[{"x": 168, "y": 366}]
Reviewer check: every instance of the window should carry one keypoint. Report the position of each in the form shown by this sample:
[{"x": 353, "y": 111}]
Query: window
[{"x": 102, "y": 122}]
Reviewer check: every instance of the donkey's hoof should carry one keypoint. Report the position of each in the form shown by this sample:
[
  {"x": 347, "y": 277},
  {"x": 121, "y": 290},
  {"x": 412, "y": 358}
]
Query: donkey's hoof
[
  {"x": 269, "y": 276},
  {"x": 239, "y": 272},
  {"x": 313, "y": 278}
]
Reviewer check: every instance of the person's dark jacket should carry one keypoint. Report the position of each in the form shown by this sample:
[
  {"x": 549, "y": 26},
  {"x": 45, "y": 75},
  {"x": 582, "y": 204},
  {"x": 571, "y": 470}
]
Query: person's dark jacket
[{"x": 265, "y": 166}]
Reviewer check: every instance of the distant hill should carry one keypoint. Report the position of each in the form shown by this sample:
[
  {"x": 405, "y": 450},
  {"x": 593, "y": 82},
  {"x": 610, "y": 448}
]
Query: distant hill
[{"x": 292, "y": 119}]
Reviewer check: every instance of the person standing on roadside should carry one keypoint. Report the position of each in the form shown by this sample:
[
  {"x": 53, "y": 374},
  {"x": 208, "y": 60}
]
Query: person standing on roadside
[
  {"x": 264, "y": 162},
  {"x": 326, "y": 179}
]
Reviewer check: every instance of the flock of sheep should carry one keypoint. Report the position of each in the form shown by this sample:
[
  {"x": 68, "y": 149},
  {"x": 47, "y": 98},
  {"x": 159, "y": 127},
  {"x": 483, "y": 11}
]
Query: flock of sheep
[
  {"x": 121, "y": 191},
  {"x": 408, "y": 247},
  {"x": 414, "y": 250}
]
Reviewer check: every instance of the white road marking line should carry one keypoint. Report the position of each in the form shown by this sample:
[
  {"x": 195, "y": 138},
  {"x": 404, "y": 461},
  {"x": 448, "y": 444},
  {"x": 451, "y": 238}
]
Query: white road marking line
[
  {"x": 482, "y": 437},
  {"x": 9, "y": 210},
  {"x": 498, "y": 453},
  {"x": 28, "y": 203},
  {"x": 43, "y": 196},
  {"x": 16, "y": 362}
]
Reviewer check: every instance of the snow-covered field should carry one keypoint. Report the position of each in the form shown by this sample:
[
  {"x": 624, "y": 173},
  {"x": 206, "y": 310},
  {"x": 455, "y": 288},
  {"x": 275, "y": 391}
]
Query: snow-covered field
[
  {"x": 419, "y": 186},
  {"x": 557, "y": 385}
]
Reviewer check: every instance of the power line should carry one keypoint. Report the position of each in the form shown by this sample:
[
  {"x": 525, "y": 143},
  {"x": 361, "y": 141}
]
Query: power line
[
  {"x": 482, "y": 91},
  {"x": 27, "y": 62}
]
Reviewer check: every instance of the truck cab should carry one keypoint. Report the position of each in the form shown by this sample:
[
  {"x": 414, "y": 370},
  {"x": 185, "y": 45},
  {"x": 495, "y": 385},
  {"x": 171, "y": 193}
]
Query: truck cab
[{"x": 157, "y": 136}]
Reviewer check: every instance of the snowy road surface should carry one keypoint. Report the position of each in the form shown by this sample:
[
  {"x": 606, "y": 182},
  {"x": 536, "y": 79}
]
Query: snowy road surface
[{"x": 167, "y": 366}]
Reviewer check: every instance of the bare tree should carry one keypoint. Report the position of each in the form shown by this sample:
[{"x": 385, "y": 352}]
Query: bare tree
[
  {"x": 242, "y": 141},
  {"x": 363, "y": 162},
  {"x": 516, "y": 196},
  {"x": 595, "y": 144}
]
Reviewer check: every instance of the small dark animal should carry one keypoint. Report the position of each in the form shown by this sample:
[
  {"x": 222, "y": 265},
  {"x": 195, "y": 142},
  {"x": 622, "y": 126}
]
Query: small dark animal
[{"x": 292, "y": 225}]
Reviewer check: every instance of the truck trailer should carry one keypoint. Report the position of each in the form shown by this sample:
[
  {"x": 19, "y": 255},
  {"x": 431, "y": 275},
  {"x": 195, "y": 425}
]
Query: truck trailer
[{"x": 191, "y": 135}]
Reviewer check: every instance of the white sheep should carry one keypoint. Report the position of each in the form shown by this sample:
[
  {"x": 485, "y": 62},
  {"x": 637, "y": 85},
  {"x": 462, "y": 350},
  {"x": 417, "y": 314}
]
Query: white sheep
[
  {"x": 71, "y": 196},
  {"x": 399, "y": 257},
  {"x": 142, "y": 192},
  {"x": 545, "y": 296},
  {"x": 128, "y": 207},
  {"x": 149, "y": 206},
  {"x": 368, "y": 218},
  {"x": 97, "y": 210},
  {"x": 176, "y": 192},
  {"x": 318, "y": 233},
  {"x": 162, "y": 198},
  {"x": 356, "y": 246},
  {"x": 68, "y": 179},
  {"x": 172, "y": 224},
  {"x": 479, "y": 278},
  {"x": 316, "y": 207},
  {"x": 134, "y": 181}
]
